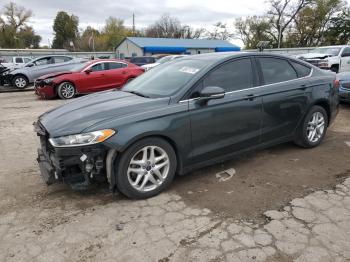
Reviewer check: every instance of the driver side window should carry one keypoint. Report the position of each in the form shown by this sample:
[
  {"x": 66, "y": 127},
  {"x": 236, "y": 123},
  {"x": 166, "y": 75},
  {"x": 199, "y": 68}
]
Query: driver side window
[
  {"x": 43, "y": 61},
  {"x": 99, "y": 67},
  {"x": 231, "y": 76},
  {"x": 346, "y": 52}
]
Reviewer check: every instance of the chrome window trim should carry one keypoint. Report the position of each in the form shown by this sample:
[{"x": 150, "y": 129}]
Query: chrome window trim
[{"x": 255, "y": 87}]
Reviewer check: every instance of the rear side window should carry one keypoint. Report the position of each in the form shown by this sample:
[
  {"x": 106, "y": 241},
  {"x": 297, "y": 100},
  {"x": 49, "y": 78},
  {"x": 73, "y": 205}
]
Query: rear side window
[
  {"x": 61, "y": 59},
  {"x": 116, "y": 65},
  {"x": 276, "y": 70},
  {"x": 302, "y": 70},
  {"x": 231, "y": 76},
  {"x": 19, "y": 60}
]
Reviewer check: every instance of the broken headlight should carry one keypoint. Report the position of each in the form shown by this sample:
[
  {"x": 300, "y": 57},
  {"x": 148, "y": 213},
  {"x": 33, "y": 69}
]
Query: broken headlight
[{"x": 82, "y": 139}]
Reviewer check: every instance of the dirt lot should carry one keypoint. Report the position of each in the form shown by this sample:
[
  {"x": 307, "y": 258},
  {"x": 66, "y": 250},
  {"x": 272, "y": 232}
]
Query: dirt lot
[{"x": 264, "y": 180}]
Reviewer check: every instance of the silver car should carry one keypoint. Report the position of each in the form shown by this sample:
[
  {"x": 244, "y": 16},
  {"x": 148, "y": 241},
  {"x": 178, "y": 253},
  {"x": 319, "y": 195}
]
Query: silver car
[{"x": 22, "y": 77}]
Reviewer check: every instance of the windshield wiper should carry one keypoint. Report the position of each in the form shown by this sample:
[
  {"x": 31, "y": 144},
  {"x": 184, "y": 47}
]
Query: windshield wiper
[{"x": 137, "y": 93}]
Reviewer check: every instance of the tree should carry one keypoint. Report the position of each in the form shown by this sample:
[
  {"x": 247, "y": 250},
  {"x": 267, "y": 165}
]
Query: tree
[
  {"x": 338, "y": 32},
  {"x": 220, "y": 32},
  {"x": 253, "y": 29},
  {"x": 311, "y": 23},
  {"x": 14, "y": 31},
  {"x": 114, "y": 32},
  {"x": 88, "y": 40},
  {"x": 165, "y": 27},
  {"x": 65, "y": 29},
  {"x": 170, "y": 27},
  {"x": 282, "y": 13},
  {"x": 28, "y": 38}
]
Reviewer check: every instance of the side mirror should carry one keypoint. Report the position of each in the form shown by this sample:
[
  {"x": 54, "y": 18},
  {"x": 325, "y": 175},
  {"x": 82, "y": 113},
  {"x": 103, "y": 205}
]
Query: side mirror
[
  {"x": 88, "y": 71},
  {"x": 30, "y": 65},
  {"x": 211, "y": 92}
]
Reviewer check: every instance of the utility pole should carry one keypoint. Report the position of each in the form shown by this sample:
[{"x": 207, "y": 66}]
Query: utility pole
[{"x": 133, "y": 24}]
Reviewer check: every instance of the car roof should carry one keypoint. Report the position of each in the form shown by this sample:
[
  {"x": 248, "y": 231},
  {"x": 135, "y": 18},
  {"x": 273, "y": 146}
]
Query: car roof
[
  {"x": 106, "y": 60},
  {"x": 218, "y": 56}
]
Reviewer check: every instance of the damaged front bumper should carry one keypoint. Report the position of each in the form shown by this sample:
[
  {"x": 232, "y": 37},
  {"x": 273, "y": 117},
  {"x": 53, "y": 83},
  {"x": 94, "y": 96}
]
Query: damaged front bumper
[{"x": 76, "y": 166}]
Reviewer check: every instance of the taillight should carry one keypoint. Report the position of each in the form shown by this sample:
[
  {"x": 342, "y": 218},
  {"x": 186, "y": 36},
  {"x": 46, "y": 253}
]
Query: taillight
[{"x": 336, "y": 83}]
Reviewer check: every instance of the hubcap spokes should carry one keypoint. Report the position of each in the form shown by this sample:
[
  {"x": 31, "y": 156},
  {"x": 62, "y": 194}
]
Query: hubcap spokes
[
  {"x": 315, "y": 127},
  {"x": 148, "y": 168},
  {"x": 67, "y": 91},
  {"x": 20, "y": 82}
]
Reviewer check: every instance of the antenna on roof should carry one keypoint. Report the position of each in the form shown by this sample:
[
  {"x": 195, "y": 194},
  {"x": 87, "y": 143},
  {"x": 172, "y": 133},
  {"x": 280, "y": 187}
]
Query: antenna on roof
[{"x": 262, "y": 45}]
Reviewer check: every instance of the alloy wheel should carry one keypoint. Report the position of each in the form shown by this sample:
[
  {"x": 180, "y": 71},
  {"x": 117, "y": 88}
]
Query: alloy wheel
[
  {"x": 148, "y": 168},
  {"x": 67, "y": 90},
  {"x": 20, "y": 82},
  {"x": 315, "y": 127}
]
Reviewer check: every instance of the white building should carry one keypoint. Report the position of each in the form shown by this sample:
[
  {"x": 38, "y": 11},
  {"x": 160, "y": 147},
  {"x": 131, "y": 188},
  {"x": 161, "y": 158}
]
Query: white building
[{"x": 144, "y": 46}]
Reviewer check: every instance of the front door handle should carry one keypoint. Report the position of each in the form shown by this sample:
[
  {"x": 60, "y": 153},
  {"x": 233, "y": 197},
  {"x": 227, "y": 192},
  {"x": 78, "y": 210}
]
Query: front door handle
[{"x": 250, "y": 97}]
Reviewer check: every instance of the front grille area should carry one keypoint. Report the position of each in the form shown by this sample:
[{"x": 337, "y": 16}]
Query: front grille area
[{"x": 315, "y": 62}]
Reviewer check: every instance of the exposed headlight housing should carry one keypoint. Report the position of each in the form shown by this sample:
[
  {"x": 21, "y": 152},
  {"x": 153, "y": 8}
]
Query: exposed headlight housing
[
  {"x": 5, "y": 73},
  {"x": 48, "y": 81},
  {"x": 84, "y": 139}
]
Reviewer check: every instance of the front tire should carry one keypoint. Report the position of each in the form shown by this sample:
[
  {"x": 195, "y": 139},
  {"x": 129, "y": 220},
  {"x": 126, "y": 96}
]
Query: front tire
[
  {"x": 20, "y": 82},
  {"x": 313, "y": 129},
  {"x": 146, "y": 168},
  {"x": 66, "y": 90}
]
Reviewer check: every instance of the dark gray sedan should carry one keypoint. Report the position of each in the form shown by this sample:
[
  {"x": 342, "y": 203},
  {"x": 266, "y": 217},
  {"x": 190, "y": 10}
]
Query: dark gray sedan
[{"x": 188, "y": 113}]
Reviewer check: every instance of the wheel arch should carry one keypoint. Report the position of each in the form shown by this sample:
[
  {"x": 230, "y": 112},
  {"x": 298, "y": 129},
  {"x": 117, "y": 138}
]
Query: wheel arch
[
  {"x": 20, "y": 74},
  {"x": 325, "y": 105},
  {"x": 62, "y": 81},
  {"x": 179, "y": 168}
]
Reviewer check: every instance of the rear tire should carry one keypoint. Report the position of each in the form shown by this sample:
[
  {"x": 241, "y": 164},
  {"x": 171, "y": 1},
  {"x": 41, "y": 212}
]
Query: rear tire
[
  {"x": 66, "y": 90},
  {"x": 312, "y": 130},
  {"x": 139, "y": 174}
]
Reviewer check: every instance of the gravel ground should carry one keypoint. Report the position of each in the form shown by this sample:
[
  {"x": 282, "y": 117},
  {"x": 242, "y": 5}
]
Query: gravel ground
[{"x": 282, "y": 204}]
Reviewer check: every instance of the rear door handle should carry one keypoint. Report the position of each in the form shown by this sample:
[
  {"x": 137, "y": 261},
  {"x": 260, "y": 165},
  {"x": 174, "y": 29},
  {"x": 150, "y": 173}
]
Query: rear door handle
[{"x": 304, "y": 86}]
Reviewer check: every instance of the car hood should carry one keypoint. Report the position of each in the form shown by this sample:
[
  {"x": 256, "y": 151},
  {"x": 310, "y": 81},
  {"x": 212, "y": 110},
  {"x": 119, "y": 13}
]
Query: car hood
[
  {"x": 314, "y": 56},
  {"x": 84, "y": 112},
  {"x": 54, "y": 75}
]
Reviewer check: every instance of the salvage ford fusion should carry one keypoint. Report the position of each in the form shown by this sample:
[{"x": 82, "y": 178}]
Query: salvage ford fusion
[{"x": 185, "y": 114}]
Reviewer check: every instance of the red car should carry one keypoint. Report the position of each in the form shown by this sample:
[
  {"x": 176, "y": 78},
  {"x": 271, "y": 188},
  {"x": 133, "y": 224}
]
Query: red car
[{"x": 87, "y": 77}]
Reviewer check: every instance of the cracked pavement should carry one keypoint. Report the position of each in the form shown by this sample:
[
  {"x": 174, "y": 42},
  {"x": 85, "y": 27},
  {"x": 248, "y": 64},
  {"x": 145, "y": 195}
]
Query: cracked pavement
[{"x": 39, "y": 223}]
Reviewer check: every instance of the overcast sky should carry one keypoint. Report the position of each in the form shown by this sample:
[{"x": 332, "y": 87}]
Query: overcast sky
[{"x": 196, "y": 13}]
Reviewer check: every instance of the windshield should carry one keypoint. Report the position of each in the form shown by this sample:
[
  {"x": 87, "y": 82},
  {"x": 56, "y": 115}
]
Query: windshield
[
  {"x": 78, "y": 67},
  {"x": 327, "y": 50},
  {"x": 166, "y": 80}
]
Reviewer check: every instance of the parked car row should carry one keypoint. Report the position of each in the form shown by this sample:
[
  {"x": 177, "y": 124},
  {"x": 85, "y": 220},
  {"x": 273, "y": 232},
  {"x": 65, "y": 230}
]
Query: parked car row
[{"x": 22, "y": 77}]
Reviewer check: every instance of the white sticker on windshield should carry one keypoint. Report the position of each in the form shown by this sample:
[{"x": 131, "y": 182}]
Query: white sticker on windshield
[{"x": 189, "y": 70}]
